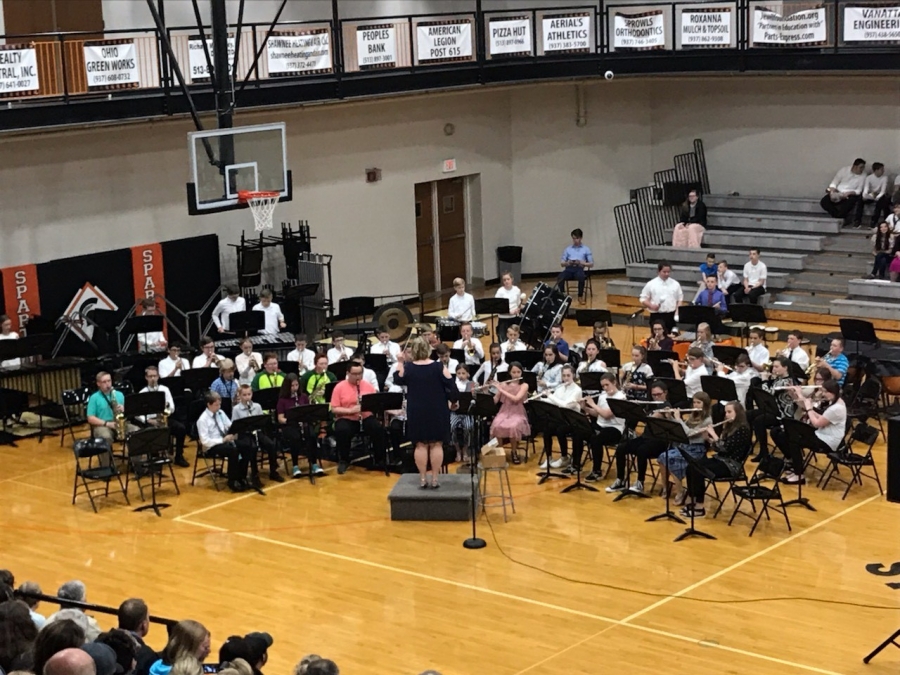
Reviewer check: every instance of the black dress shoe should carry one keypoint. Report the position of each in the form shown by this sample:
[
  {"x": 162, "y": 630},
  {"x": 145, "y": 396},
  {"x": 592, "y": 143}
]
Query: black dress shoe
[
  {"x": 182, "y": 462},
  {"x": 236, "y": 486},
  {"x": 277, "y": 477}
]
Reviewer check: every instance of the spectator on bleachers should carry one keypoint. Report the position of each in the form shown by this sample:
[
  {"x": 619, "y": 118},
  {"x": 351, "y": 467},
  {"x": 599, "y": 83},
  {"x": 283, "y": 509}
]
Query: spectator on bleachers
[
  {"x": 727, "y": 281},
  {"x": 134, "y": 619},
  {"x": 303, "y": 664},
  {"x": 17, "y": 636},
  {"x": 252, "y": 648},
  {"x": 709, "y": 268},
  {"x": 7, "y": 578},
  {"x": 323, "y": 667},
  {"x": 54, "y": 638},
  {"x": 875, "y": 191},
  {"x": 882, "y": 243},
  {"x": 104, "y": 658},
  {"x": 754, "y": 281},
  {"x": 893, "y": 219},
  {"x": 124, "y": 646},
  {"x": 186, "y": 639},
  {"x": 70, "y": 662},
  {"x": 187, "y": 665},
  {"x": 235, "y": 667},
  {"x": 6, "y": 593},
  {"x": 843, "y": 198},
  {"x": 691, "y": 223},
  {"x": 894, "y": 268},
  {"x": 28, "y": 588},
  {"x": 711, "y": 296},
  {"x": 76, "y": 592}
]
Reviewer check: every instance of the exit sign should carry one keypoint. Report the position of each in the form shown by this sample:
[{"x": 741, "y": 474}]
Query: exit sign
[{"x": 449, "y": 165}]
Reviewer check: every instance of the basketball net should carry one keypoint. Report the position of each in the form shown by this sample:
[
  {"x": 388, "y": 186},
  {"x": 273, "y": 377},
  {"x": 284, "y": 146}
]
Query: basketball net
[{"x": 262, "y": 206}]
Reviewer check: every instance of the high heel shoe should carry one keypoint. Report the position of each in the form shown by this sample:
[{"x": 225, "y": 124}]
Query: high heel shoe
[
  {"x": 423, "y": 485},
  {"x": 515, "y": 458},
  {"x": 434, "y": 484}
]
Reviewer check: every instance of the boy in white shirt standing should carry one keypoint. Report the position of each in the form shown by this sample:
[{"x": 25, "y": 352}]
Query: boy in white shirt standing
[
  {"x": 233, "y": 302},
  {"x": 875, "y": 190},
  {"x": 462, "y": 304},
  {"x": 274, "y": 317}
]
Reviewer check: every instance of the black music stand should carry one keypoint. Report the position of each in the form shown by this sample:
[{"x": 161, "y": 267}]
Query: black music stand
[
  {"x": 378, "y": 405},
  {"x": 26, "y": 347},
  {"x": 528, "y": 358},
  {"x": 246, "y": 323},
  {"x": 727, "y": 354},
  {"x": 804, "y": 436},
  {"x": 720, "y": 389},
  {"x": 692, "y": 531},
  {"x": 267, "y": 398},
  {"x": 329, "y": 390},
  {"x": 580, "y": 425},
  {"x": 298, "y": 294},
  {"x": 658, "y": 361},
  {"x": 248, "y": 426},
  {"x": 144, "y": 405},
  {"x": 750, "y": 315},
  {"x": 494, "y": 307},
  {"x": 141, "y": 325},
  {"x": 588, "y": 317},
  {"x": 694, "y": 315},
  {"x": 289, "y": 367},
  {"x": 199, "y": 379},
  {"x": 763, "y": 401},
  {"x": 544, "y": 413},
  {"x": 858, "y": 330},
  {"x": 677, "y": 392},
  {"x": 611, "y": 357},
  {"x": 591, "y": 382},
  {"x": 377, "y": 362},
  {"x": 633, "y": 413},
  {"x": 672, "y": 433},
  {"x": 308, "y": 417},
  {"x": 459, "y": 355},
  {"x": 339, "y": 369}
]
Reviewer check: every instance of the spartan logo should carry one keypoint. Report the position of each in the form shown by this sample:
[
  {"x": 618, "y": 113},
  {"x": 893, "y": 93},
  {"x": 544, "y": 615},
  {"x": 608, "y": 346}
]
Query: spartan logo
[{"x": 86, "y": 300}]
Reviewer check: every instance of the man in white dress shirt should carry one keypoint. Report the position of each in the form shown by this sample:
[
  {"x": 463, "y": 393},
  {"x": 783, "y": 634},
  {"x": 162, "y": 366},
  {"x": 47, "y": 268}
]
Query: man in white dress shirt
[
  {"x": 274, "y": 317},
  {"x": 472, "y": 347},
  {"x": 207, "y": 358},
  {"x": 843, "y": 198},
  {"x": 173, "y": 364},
  {"x": 462, "y": 305},
  {"x": 875, "y": 190},
  {"x": 662, "y": 294},
  {"x": 233, "y": 302},
  {"x": 754, "y": 281},
  {"x": 176, "y": 428},
  {"x": 339, "y": 351},
  {"x": 154, "y": 340},
  {"x": 305, "y": 357}
]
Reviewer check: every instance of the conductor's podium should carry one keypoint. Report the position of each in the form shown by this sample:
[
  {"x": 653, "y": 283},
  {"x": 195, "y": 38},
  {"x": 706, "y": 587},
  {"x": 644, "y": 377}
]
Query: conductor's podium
[{"x": 452, "y": 501}]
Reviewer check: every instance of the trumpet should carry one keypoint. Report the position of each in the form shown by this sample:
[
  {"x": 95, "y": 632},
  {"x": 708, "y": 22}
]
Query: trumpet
[{"x": 165, "y": 415}]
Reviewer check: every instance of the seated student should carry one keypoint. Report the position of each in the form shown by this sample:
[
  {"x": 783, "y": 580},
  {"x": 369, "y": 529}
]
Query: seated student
[
  {"x": 339, "y": 351},
  {"x": 431, "y": 338},
  {"x": 732, "y": 448},
  {"x": 835, "y": 361},
  {"x": 207, "y": 358},
  {"x": 549, "y": 370},
  {"x": 893, "y": 219},
  {"x": 462, "y": 305},
  {"x": 696, "y": 368},
  {"x": 636, "y": 374},
  {"x": 602, "y": 336},
  {"x": 513, "y": 343},
  {"x": 779, "y": 386},
  {"x": 557, "y": 340},
  {"x": 508, "y": 291},
  {"x": 391, "y": 350},
  {"x": 757, "y": 350},
  {"x": 591, "y": 363},
  {"x": 272, "y": 310},
  {"x": 313, "y": 383},
  {"x": 643, "y": 447},
  {"x": 794, "y": 350},
  {"x": 493, "y": 365},
  {"x": 212, "y": 430},
  {"x": 248, "y": 363},
  {"x": 177, "y": 429},
  {"x": 368, "y": 374},
  {"x": 672, "y": 464},
  {"x": 173, "y": 364},
  {"x": 711, "y": 296},
  {"x": 843, "y": 198},
  {"x": 305, "y": 357},
  {"x": 727, "y": 281},
  {"x": 154, "y": 340},
  {"x": 691, "y": 223},
  {"x": 461, "y": 424},
  {"x": 742, "y": 374},
  {"x": 300, "y": 441},
  {"x": 708, "y": 269},
  {"x": 350, "y": 419},
  {"x": 609, "y": 427},
  {"x": 754, "y": 281},
  {"x": 894, "y": 267},
  {"x": 875, "y": 191},
  {"x": 512, "y": 420},
  {"x": 471, "y": 346},
  {"x": 882, "y": 244},
  {"x": 658, "y": 340},
  {"x": 576, "y": 260},
  {"x": 566, "y": 395},
  {"x": 103, "y": 407},
  {"x": 443, "y": 355},
  {"x": 225, "y": 385},
  {"x": 705, "y": 342},
  {"x": 247, "y": 407},
  {"x": 269, "y": 377},
  {"x": 7, "y": 333}
]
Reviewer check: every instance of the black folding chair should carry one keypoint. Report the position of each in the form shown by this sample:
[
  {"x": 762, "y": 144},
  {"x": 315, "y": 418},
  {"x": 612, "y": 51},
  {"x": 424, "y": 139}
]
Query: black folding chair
[
  {"x": 148, "y": 456},
  {"x": 864, "y": 405},
  {"x": 863, "y": 434},
  {"x": 770, "y": 469},
  {"x": 87, "y": 450}
]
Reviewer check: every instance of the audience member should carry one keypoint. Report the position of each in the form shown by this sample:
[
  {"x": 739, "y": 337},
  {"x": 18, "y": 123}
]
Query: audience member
[
  {"x": 17, "y": 636},
  {"x": 252, "y": 648},
  {"x": 893, "y": 219},
  {"x": 75, "y": 591},
  {"x": 104, "y": 658},
  {"x": 54, "y": 638},
  {"x": 235, "y": 667},
  {"x": 70, "y": 662},
  {"x": 187, "y": 639},
  {"x": 882, "y": 243},
  {"x": 187, "y": 665},
  {"x": 27, "y": 589},
  {"x": 875, "y": 191},
  {"x": 125, "y": 648},
  {"x": 576, "y": 260},
  {"x": 323, "y": 667},
  {"x": 754, "y": 282},
  {"x": 692, "y": 222},
  {"x": 709, "y": 268},
  {"x": 303, "y": 665},
  {"x": 728, "y": 281},
  {"x": 134, "y": 619},
  {"x": 843, "y": 198},
  {"x": 711, "y": 296},
  {"x": 7, "y": 578}
]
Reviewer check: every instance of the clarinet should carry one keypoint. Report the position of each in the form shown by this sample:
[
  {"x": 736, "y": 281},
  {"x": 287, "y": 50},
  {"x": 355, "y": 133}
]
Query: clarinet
[{"x": 359, "y": 402}]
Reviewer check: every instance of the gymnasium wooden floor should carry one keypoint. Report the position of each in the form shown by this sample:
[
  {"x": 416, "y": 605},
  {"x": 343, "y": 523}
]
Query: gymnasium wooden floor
[{"x": 571, "y": 584}]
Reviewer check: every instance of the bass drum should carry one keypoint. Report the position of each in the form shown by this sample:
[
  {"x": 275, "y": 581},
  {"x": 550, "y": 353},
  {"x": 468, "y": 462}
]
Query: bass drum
[{"x": 396, "y": 318}]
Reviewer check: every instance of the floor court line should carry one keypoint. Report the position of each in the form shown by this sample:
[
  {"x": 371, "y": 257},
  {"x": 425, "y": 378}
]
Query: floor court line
[{"x": 240, "y": 497}]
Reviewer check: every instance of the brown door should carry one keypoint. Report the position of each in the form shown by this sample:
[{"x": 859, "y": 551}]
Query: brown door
[
  {"x": 425, "y": 237},
  {"x": 451, "y": 215},
  {"x": 49, "y": 16}
]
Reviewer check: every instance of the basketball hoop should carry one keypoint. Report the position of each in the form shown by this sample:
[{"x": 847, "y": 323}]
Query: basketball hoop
[{"x": 262, "y": 206}]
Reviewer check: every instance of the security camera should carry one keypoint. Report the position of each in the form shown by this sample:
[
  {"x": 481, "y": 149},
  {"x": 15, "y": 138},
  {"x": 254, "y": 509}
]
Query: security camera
[{"x": 608, "y": 75}]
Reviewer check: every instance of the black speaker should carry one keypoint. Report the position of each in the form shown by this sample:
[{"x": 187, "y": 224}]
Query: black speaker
[{"x": 893, "y": 460}]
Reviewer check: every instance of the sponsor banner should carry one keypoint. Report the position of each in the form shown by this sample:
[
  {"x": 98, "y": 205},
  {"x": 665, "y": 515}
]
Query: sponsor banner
[
  {"x": 299, "y": 53},
  {"x": 111, "y": 64},
  {"x": 567, "y": 33},
  {"x": 21, "y": 294},
  {"x": 800, "y": 28},
  {"x": 646, "y": 30},
  {"x": 197, "y": 56},
  {"x": 871, "y": 24},
  {"x": 706, "y": 26},
  {"x": 376, "y": 46},
  {"x": 510, "y": 35},
  {"x": 444, "y": 41},
  {"x": 18, "y": 69}
]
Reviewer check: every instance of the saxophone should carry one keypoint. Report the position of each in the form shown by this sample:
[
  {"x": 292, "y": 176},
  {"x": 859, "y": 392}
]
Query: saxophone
[{"x": 121, "y": 425}]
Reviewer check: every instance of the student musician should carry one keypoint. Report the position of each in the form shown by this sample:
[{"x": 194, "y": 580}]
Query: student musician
[
  {"x": 512, "y": 421},
  {"x": 601, "y": 335},
  {"x": 248, "y": 363},
  {"x": 212, "y": 431},
  {"x": 225, "y": 385},
  {"x": 471, "y": 346},
  {"x": 779, "y": 386},
  {"x": 513, "y": 343},
  {"x": 154, "y": 340},
  {"x": 302, "y": 355},
  {"x": 704, "y": 341},
  {"x": 696, "y": 368},
  {"x": 566, "y": 394},
  {"x": 176, "y": 428},
  {"x": 757, "y": 350},
  {"x": 103, "y": 406},
  {"x": 269, "y": 377},
  {"x": 207, "y": 358},
  {"x": 636, "y": 375},
  {"x": 339, "y": 351},
  {"x": 643, "y": 447},
  {"x": 460, "y": 423},
  {"x": 391, "y": 350},
  {"x": 300, "y": 441},
  {"x": 658, "y": 340},
  {"x": 274, "y": 318},
  {"x": 732, "y": 447},
  {"x": 609, "y": 427},
  {"x": 443, "y": 355},
  {"x": 314, "y": 382},
  {"x": 829, "y": 419},
  {"x": 591, "y": 364},
  {"x": 231, "y": 303},
  {"x": 835, "y": 361},
  {"x": 173, "y": 364},
  {"x": 742, "y": 374},
  {"x": 351, "y": 419},
  {"x": 248, "y": 443},
  {"x": 673, "y": 467},
  {"x": 548, "y": 371},
  {"x": 556, "y": 339},
  {"x": 794, "y": 350},
  {"x": 7, "y": 333},
  {"x": 368, "y": 374},
  {"x": 389, "y": 384},
  {"x": 462, "y": 304},
  {"x": 511, "y": 293},
  {"x": 489, "y": 369}
]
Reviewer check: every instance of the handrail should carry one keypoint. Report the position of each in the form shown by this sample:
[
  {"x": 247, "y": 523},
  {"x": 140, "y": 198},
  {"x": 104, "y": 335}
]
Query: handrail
[{"x": 86, "y": 606}]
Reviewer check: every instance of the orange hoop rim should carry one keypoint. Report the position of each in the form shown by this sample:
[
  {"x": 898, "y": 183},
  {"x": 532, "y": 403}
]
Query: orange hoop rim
[{"x": 244, "y": 196}]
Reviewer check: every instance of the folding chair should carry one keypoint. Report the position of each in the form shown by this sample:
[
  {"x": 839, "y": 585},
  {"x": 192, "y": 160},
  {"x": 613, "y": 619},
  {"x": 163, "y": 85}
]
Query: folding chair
[
  {"x": 854, "y": 461},
  {"x": 73, "y": 405},
  {"x": 865, "y": 404},
  {"x": 86, "y": 451},
  {"x": 769, "y": 468},
  {"x": 148, "y": 455},
  {"x": 732, "y": 482}
]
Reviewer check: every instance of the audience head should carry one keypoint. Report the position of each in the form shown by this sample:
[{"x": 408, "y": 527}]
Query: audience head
[
  {"x": 72, "y": 590},
  {"x": 710, "y": 258},
  {"x": 6, "y": 593},
  {"x": 134, "y": 616},
  {"x": 878, "y": 168},
  {"x": 17, "y": 635},
  {"x": 693, "y": 196},
  {"x": 125, "y": 649},
  {"x": 754, "y": 255},
  {"x": 859, "y": 165},
  {"x": 27, "y": 589},
  {"x": 723, "y": 265},
  {"x": 577, "y": 236},
  {"x": 70, "y": 661},
  {"x": 187, "y": 639},
  {"x": 104, "y": 658},
  {"x": 303, "y": 664},
  {"x": 55, "y": 637},
  {"x": 235, "y": 667},
  {"x": 711, "y": 283},
  {"x": 322, "y": 667},
  {"x": 8, "y": 578},
  {"x": 187, "y": 665}
]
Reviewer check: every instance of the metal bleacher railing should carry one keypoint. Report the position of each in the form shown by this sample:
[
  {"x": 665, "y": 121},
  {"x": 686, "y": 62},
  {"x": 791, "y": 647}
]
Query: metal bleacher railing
[
  {"x": 87, "y": 607},
  {"x": 133, "y": 61}
]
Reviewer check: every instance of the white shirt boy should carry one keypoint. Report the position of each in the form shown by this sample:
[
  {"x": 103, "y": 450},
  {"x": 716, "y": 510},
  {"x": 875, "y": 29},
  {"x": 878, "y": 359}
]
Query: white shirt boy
[
  {"x": 212, "y": 428},
  {"x": 874, "y": 187},
  {"x": 461, "y": 307},
  {"x": 759, "y": 354},
  {"x": 225, "y": 307},
  {"x": 306, "y": 358},
  {"x": 200, "y": 361},
  {"x": 667, "y": 293},
  {"x": 755, "y": 273},
  {"x": 391, "y": 349},
  {"x": 170, "y": 402},
  {"x": 473, "y": 359},
  {"x": 517, "y": 346},
  {"x": 245, "y": 373},
  {"x": 334, "y": 354},
  {"x": 274, "y": 317},
  {"x": 847, "y": 181},
  {"x": 167, "y": 366}
]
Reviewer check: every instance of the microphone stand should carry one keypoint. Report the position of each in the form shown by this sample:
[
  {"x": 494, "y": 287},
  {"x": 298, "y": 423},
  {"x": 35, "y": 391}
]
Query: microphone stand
[
  {"x": 631, "y": 322},
  {"x": 484, "y": 408}
]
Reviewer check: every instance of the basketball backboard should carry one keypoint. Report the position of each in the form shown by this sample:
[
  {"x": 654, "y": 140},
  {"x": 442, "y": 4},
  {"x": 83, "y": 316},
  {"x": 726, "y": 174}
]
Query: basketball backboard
[{"x": 226, "y": 161}]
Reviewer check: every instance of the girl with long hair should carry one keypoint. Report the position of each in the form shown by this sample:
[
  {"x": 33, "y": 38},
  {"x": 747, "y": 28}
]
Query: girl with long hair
[{"x": 695, "y": 423}]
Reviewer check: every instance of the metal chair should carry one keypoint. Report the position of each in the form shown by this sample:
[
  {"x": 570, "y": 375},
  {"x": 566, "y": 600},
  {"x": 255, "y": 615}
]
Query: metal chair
[
  {"x": 588, "y": 286},
  {"x": 148, "y": 455},
  {"x": 770, "y": 469},
  {"x": 87, "y": 450},
  {"x": 73, "y": 405},
  {"x": 862, "y": 434}
]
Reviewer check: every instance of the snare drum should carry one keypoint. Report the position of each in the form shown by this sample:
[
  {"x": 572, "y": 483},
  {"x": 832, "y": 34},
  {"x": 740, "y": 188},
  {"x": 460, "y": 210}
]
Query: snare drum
[{"x": 479, "y": 329}]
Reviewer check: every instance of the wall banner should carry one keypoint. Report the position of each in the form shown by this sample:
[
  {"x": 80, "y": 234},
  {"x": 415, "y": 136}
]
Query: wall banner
[
  {"x": 438, "y": 41},
  {"x": 808, "y": 27},
  {"x": 706, "y": 26},
  {"x": 21, "y": 293},
  {"x": 18, "y": 69},
  {"x": 300, "y": 53},
  {"x": 871, "y": 24},
  {"x": 646, "y": 30},
  {"x": 376, "y": 46},
  {"x": 197, "y": 56},
  {"x": 510, "y": 36},
  {"x": 110, "y": 65},
  {"x": 566, "y": 33}
]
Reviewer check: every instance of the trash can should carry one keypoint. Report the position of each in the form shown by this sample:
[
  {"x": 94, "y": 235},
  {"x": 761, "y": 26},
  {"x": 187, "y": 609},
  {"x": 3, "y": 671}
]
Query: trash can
[{"x": 509, "y": 259}]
